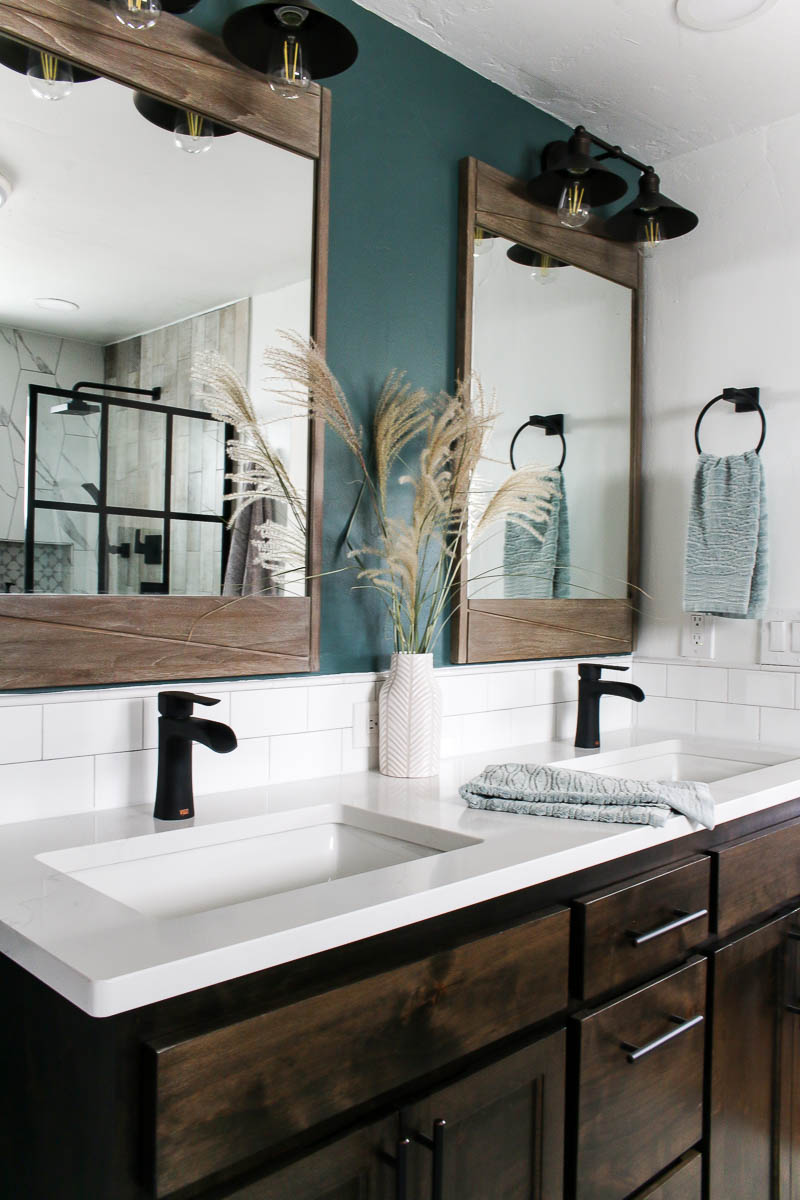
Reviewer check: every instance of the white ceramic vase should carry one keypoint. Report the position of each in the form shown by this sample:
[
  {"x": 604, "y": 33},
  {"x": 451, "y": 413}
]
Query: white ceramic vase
[{"x": 410, "y": 718}]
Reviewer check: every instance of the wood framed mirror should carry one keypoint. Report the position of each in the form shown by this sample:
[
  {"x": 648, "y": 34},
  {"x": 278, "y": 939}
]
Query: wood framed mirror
[
  {"x": 123, "y": 259},
  {"x": 564, "y": 364}
]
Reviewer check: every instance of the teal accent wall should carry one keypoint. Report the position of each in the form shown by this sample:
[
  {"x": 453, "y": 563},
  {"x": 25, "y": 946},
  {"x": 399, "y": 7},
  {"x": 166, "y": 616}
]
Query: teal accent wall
[{"x": 403, "y": 117}]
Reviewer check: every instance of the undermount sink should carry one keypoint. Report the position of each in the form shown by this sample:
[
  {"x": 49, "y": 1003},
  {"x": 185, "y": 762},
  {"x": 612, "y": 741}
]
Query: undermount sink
[
  {"x": 679, "y": 759},
  {"x": 178, "y": 872}
]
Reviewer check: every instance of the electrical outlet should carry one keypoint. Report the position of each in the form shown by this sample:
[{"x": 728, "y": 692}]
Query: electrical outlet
[
  {"x": 365, "y": 725},
  {"x": 697, "y": 640}
]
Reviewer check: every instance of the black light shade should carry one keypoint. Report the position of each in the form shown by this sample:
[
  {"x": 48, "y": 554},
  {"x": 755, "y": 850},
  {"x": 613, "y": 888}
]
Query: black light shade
[
  {"x": 572, "y": 162},
  {"x": 179, "y": 7},
  {"x": 526, "y": 257},
  {"x": 15, "y": 55},
  {"x": 164, "y": 115},
  {"x": 250, "y": 34},
  {"x": 673, "y": 220}
]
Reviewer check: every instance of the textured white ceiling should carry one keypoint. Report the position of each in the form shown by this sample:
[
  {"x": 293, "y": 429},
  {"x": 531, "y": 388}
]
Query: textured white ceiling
[{"x": 625, "y": 68}]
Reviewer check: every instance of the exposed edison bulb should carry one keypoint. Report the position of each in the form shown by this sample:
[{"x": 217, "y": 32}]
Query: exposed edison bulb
[
  {"x": 481, "y": 244},
  {"x": 573, "y": 207},
  {"x": 650, "y": 235},
  {"x": 286, "y": 71},
  {"x": 193, "y": 134},
  {"x": 50, "y": 78},
  {"x": 543, "y": 272},
  {"x": 136, "y": 14}
]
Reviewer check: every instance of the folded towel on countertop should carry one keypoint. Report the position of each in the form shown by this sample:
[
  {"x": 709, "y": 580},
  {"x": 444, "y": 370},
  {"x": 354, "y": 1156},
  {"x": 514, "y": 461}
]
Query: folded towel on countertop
[
  {"x": 537, "y": 568},
  {"x": 543, "y": 791},
  {"x": 726, "y": 544}
]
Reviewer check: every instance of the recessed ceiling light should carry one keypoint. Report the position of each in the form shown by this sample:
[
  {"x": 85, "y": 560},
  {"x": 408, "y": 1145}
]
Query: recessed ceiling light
[
  {"x": 5, "y": 190},
  {"x": 54, "y": 304},
  {"x": 714, "y": 16}
]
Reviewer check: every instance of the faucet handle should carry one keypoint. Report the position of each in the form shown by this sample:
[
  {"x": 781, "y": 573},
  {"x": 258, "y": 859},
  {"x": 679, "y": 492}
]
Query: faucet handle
[
  {"x": 180, "y": 704},
  {"x": 592, "y": 671}
]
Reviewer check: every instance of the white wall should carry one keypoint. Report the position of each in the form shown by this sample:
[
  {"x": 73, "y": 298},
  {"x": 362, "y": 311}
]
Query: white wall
[{"x": 723, "y": 308}]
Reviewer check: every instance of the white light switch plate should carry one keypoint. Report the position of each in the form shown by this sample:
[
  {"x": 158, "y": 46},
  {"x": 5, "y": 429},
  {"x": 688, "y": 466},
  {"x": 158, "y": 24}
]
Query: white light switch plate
[
  {"x": 697, "y": 636},
  {"x": 780, "y": 638}
]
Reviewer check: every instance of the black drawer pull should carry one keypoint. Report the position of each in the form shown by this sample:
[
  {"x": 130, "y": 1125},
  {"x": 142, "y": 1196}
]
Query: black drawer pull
[
  {"x": 399, "y": 1161},
  {"x": 436, "y": 1146},
  {"x": 681, "y": 918},
  {"x": 634, "y": 1053}
]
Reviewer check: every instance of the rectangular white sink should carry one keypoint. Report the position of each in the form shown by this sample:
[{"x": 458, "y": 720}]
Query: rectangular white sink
[
  {"x": 689, "y": 759},
  {"x": 178, "y": 872}
]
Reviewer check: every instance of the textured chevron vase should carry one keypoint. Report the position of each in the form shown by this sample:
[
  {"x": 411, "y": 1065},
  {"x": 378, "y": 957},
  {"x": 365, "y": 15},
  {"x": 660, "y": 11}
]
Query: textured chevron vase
[{"x": 410, "y": 718}]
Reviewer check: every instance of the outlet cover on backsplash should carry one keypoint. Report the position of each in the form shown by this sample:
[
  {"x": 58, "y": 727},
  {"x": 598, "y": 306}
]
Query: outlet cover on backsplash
[
  {"x": 780, "y": 638},
  {"x": 697, "y": 636}
]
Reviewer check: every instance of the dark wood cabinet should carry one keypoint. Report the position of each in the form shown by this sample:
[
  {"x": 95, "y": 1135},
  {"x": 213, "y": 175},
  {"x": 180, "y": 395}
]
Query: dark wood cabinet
[
  {"x": 359, "y": 1166},
  {"x": 639, "y": 1084},
  {"x": 498, "y": 1132},
  {"x": 753, "y": 1114}
]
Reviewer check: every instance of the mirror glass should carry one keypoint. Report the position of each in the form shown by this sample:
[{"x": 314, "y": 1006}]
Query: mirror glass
[
  {"x": 135, "y": 237},
  {"x": 553, "y": 343}
]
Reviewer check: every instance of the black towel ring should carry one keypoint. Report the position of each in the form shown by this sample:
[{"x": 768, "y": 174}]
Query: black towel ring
[
  {"x": 744, "y": 400},
  {"x": 553, "y": 427}
]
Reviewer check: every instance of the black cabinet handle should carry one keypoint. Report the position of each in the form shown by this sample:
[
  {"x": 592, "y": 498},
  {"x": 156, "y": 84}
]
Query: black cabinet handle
[
  {"x": 399, "y": 1160},
  {"x": 436, "y": 1145},
  {"x": 681, "y": 918},
  {"x": 634, "y": 1053}
]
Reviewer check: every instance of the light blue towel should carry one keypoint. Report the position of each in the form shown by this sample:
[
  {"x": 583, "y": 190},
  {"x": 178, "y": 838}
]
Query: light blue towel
[
  {"x": 726, "y": 545},
  {"x": 542, "y": 791},
  {"x": 534, "y": 568}
]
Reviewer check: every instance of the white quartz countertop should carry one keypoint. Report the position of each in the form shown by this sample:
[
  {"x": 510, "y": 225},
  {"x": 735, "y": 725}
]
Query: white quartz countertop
[{"x": 107, "y": 957}]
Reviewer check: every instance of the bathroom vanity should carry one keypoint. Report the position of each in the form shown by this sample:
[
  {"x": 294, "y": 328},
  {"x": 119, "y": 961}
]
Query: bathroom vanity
[{"x": 475, "y": 1010}]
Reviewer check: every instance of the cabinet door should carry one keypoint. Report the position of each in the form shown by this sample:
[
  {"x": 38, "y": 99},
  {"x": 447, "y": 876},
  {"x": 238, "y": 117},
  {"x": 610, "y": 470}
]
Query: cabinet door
[
  {"x": 753, "y": 1110},
  {"x": 360, "y": 1166},
  {"x": 498, "y": 1132}
]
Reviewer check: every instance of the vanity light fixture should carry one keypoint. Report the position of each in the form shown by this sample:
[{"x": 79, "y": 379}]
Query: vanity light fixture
[
  {"x": 143, "y": 14},
  {"x": 650, "y": 219},
  {"x": 542, "y": 265},
  {"x": 292, "y": 44},
  {"x": 573, "y": 181},
  {"x": 50, "y": 77},
  {"x": 193, "y": 132}
]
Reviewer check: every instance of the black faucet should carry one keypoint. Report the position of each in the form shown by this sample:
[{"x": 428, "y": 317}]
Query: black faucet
[
  {"x": 590, "y": 688},
  {"x": 177, "y": 729}
]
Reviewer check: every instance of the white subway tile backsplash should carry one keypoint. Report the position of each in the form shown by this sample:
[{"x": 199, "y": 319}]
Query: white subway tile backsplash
[
  {"x": 727, "y": 721},
  {"x": 96, "y": 727},
  {"x": 769, "y": 689},
  {"x": 651, "y": 678},
  {"x": 464, "y": 694},
  {"x": 697, "y": 683},
  {"x": 46, "y": 788},
  {"x": 780, "y": 727},
  {"x": 663, "y": 715},
  {"x": 305, "y": 755},
  {"x": 21, "y": 734},
  {"x": 615, "y": 713},
  {"x": 263, "y": 713},
  {"x": 99, "y": 748},
  {"x": 331, "y": 706},
  {"x": 512, "y": 689}
]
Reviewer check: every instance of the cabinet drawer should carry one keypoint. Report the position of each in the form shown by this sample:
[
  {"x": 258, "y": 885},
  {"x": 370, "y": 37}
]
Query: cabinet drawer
[
  {"x": 683, "y": 1181},
  {"x": 238, "y": 1092},
  {"x": 640, "y": 1083},
  {"x": 756, "y": 875},
  {"x": 640, "y": 927}
]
